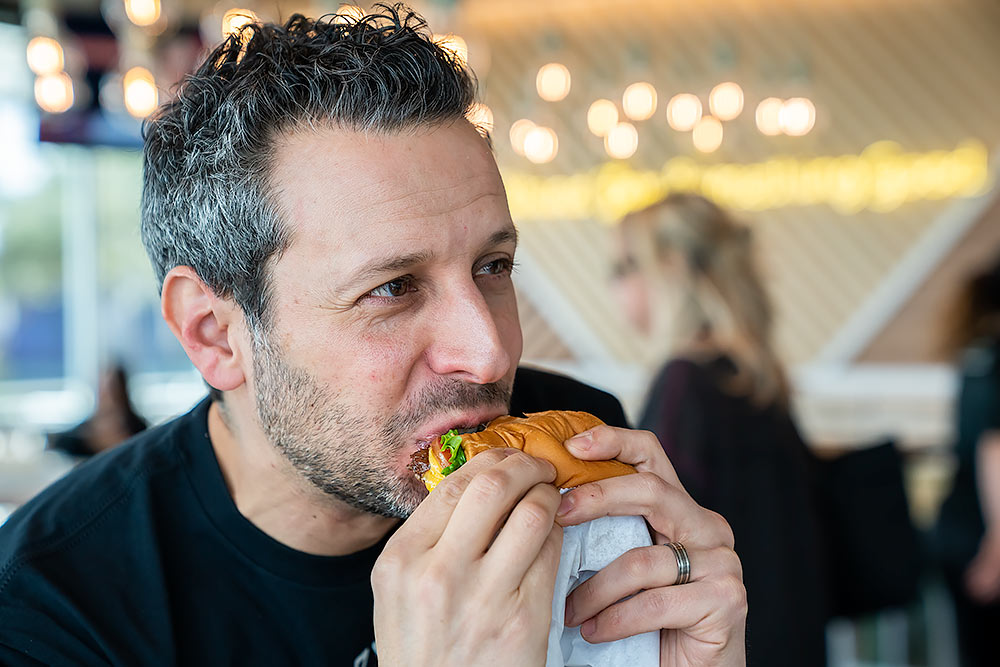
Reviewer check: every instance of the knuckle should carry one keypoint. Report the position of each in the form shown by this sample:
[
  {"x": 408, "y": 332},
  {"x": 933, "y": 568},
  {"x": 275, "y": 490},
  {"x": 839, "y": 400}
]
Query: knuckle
[
  {"x": 601, "y": 432},
  {"x": 435, "y": 579},
  {"x": 488, "y": 486},
  {"x": 596, "y": 492},
  {"x": 724, "y": 529},
  {"x": 639, "y": 563},
  {"x": 655, "y": 604},
  {"x": 450, "y": 491},
  {"x": 650, "y": 440},
  {"x": 731, "y": 589},
  {"x": 652, "y": 490},
  {"x": 386, "y": 569},
  {"x": 534, "y": 515},
  {"x": 732, "y": 562}
]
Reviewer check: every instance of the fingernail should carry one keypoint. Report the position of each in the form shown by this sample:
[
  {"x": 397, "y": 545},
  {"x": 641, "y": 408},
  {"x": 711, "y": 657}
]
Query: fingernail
[
  {"x": 588, "y": 628},
  {"x": 566, "y": 505},
  {"x": 583, "y": 440}
]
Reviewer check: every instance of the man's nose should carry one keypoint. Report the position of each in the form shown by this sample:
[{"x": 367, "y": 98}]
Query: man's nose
[{"x": 466, "y": 342}]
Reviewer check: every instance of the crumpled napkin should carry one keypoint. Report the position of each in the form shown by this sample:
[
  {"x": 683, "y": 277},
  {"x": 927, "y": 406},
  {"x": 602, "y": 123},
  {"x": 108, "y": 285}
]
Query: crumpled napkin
[{"x": 586, "y": 549}]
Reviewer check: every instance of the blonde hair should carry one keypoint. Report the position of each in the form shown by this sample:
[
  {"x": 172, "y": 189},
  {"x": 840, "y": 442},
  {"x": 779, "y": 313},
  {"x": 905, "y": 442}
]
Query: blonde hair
[{"x": 722, "y": 293}]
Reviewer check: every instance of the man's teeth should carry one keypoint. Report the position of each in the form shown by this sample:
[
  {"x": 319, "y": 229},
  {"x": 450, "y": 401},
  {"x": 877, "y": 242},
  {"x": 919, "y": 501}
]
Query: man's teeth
[{"x": 477, "y": 429}]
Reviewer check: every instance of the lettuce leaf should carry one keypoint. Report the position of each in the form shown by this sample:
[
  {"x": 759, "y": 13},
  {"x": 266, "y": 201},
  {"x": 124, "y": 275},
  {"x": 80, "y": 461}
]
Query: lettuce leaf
[{"x": 451, "y": 442}]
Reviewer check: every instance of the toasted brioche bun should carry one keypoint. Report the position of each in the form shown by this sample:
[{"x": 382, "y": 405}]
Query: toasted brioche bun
[{"x": 539, "y": 434}]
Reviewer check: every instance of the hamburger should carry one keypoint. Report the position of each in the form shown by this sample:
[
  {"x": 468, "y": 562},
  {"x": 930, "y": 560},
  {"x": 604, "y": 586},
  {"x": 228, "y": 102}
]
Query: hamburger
[{"x": 539, "y": 434}]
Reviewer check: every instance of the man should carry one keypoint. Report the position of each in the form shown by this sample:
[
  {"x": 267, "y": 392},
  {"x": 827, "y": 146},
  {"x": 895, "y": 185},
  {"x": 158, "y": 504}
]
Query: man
[{"x": 334, "y": 246}]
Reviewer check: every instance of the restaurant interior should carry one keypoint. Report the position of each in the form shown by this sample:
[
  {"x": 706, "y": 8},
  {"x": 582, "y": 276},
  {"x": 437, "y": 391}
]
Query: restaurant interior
[{"x": 856, "y": 139}]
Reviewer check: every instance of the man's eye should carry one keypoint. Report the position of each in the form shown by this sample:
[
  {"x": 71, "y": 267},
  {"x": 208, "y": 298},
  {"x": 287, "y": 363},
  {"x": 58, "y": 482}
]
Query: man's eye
[
  {"x": 394, "y": 288},
  {"x": 496, "y": 267}
]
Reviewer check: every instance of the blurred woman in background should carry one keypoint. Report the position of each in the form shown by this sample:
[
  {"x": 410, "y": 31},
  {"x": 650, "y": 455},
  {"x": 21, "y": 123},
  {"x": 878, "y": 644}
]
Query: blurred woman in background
[
  {"x": 687, "y": 277},
  {"x": 968, "y": 529}
]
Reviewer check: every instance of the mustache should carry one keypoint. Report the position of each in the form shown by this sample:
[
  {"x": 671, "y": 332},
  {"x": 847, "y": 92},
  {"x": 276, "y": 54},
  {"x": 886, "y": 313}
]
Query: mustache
[{"x": 452, "y": 395}]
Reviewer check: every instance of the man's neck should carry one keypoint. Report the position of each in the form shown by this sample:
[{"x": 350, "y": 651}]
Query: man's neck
[{"x": 269, "y": 493}]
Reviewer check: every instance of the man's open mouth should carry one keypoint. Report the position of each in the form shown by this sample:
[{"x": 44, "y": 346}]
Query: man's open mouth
[{"x": 419, "y": 464}]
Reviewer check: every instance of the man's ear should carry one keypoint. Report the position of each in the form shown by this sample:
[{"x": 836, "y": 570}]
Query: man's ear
[{"x": 206, "y": 325}]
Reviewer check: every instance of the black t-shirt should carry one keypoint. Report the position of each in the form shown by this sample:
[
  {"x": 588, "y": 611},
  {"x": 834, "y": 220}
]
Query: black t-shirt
[{"x": 140, "y": 557}]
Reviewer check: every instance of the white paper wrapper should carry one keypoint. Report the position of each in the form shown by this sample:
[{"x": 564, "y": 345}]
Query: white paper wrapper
[{"x": 586, "y": 549}]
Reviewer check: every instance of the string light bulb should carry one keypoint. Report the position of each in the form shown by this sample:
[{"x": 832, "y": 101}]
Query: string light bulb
[
  {"x": 45, "y": 56},
  {"x": 54, "y": 92},
  {"x": 639, "y": 101},
  {"x": 768, "y": 116},
  {"x": 454, "y": 45},
  {"x": 683, "y": 112},
  {"x": 553, "y": 82},
  {"x": 601, "y": 117},
  {"x": 142, "y": 12},
  {"x": 726, "y": 101},
  {"x": 348, "y": 14},
  {"x": 622, "y": 141},
  {"x": 141, "y": 96},
  {"x": 481, "y": 116},
  {"x": 234, "y": 20},
  {"x": 797, "y": 116},
  {"x": 518, "y": 133},
  {"x": 541, "y": 144},
  {"x": 707, "y": 134}
]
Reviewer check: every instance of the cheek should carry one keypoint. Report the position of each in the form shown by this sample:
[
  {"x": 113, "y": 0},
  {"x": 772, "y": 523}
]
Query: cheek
[
  {"x": 383, "y": 362},
  {"x": 634, "y": 297},
  {"x": 508, "y": 324}
]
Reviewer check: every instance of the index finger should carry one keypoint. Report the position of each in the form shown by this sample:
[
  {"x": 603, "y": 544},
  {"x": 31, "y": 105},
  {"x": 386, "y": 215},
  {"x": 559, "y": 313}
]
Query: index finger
[
  {"x": 640, "y": 448},
  {"x": 427, "y": 523}
]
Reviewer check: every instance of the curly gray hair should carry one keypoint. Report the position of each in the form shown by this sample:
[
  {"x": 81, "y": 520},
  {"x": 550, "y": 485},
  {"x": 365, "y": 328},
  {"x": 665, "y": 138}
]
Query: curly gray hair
[{"x": 207, "y": 202}]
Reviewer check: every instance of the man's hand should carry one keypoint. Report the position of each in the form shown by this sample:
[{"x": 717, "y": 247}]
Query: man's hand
[
  {"x": 468, "y": 578},
  {"x": 702, "y": 622}
]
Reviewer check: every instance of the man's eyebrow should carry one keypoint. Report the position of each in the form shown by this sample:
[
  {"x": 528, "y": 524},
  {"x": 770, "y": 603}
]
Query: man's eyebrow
[
  {"x": 390, "y": 265},
  {"x": 382, "y": 267},
  {"x": 505, "y": 235}
]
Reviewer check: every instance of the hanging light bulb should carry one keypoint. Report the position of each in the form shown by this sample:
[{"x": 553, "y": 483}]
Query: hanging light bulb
[
  {"x": 142, "y": 12},
  {"x": 553, "y": 82},
  {"x": 601, "y": 117},
  {"x": 140, "y": 92},
  {"x": 707, "y": 134},
  {"x": 622, "y": 141},
  {"x": 45, "y": 56},
  {"x": 768, "y": 116},
  {"x": 454, "y": 45},
  {"x": 235, "y": 19},
  {"x": 481, "y": 116},
  {"x": 348, "y": 14},
  {"x": 518, "y": 133},
  {"x": 726, "y": 100},
  {"x": 54, "y": 92},
  {"x": 683, "y": 111},
  {"x": 541, "y": 144},
  {"x": 797, "y": 116},
  {"x": 639, "y": 101}
]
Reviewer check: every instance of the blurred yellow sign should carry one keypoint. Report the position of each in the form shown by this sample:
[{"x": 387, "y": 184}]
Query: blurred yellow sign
[{"x": 881, "y": 178}]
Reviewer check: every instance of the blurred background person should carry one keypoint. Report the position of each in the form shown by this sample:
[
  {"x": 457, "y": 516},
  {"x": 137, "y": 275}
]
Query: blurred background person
[
  {"x": 113, "y": 422},
  {"x": 687, "y": 278},
  {"x": 968, "y": 529}
]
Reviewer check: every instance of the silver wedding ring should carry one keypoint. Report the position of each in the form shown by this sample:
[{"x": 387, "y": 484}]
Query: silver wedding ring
[{"x": 683, "y": 563}]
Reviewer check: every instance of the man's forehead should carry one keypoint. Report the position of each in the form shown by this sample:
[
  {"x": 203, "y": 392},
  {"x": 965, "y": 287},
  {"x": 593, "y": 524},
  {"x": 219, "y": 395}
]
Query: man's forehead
[{"x": 423, "y": 172}]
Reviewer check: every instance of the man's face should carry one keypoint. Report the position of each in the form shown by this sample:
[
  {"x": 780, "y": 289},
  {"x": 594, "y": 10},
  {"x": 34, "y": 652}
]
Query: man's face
[{"x": 394, "y": 317}]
